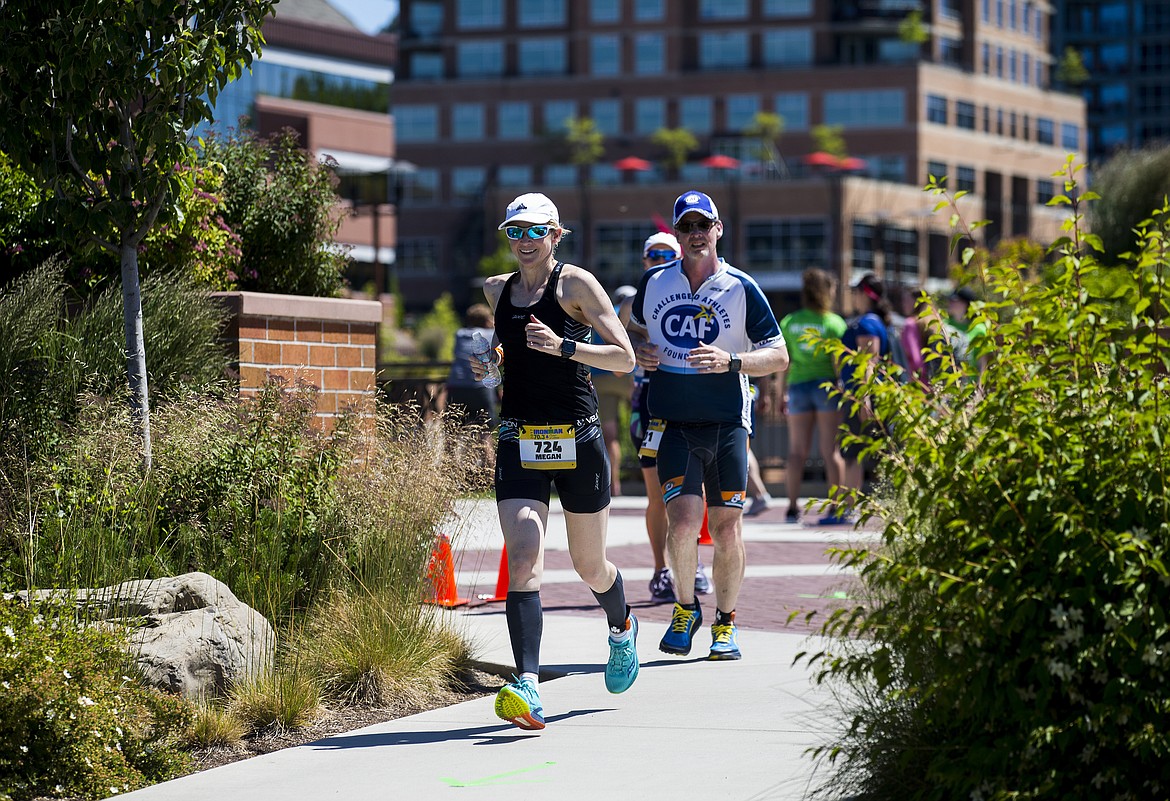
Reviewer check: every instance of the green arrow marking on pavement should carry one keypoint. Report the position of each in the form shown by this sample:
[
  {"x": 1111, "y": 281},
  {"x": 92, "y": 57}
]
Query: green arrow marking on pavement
[{"x": 499, "y": 778}]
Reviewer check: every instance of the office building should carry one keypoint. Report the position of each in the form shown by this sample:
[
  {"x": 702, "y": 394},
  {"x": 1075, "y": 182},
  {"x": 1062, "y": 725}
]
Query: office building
[
  {"x": 320, "y": 75},
  {"x": 1124, "y": 46},
  {"x": 485, "y": 89}
]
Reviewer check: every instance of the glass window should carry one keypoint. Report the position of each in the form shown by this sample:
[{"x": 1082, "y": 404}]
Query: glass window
[
  {"x": 887, "y": 168},
  {"x": 788, "y": 8},
  {"x": 605, "y": 55},
  {"x": 649, "y": 10},
  {"x": 426, "y": 19},
  {"x": 788, "y": 47},
  {"x": 605, "y": 174},
  {"x": 557, "y": 114},
  {"x": 605, "y": 10},
  {"x": 467, "y": 122},
  {"x": 1013, "y": 72},
  {"x": 413, "y": 123},
  {"x": 467, "y": 184},
  {"x": 936, "y": 109},
  {"x": 513, "y": 120},
  {"x": 741, "y": 111},
  {"x": 938, "y": 169},
  {"x": 649, "y": 115},
  {"x": 1070, "y": 135},
  {"x": 607, "y": 115},
  {"x": 965, "y": 115},
  {"x": 873, "y": 108},
  {"x": 541, "y": 13},
  {"x": 515, "y": 175},
  {"x": 479, "y": 14},
  {"x": 965, "y": 179},
  {"x": 542, "y": 56},
  {"x": 951, "y": 51},
  {"x": 723, "y": 9},
  {"x": 649, "y": 54},
  {"x": 1045, "y": 131},
  {"x": 1045, "y": 191},
  {"x": 560, "y": 175},
  {"x": 480, "y": 59},
  {"x": 1025, "y": 68},
  {"x": 426, "y": 65},
  {"x": 895, "y": 51},
  {"x": 793, "y": 109},
  {"x": 985, "y": 49},
  {"x": 790, "y": 245},
  {"x": 998, "y": 62},
  {"x": 723, "y": 50},
  {"x": 421, "y": 188},
  {"x": 417, "y": 256},
  {"x": 696, "y": 114}
]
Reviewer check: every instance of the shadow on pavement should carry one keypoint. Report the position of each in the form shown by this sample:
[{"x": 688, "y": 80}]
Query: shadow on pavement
[{"x": 500, "y": 734}]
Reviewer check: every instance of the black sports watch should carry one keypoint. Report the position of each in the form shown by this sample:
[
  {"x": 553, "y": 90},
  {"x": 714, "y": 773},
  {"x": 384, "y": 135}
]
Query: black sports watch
[
  {"x": 734, "y": 364},
  {"x": 568, "y": 347}
]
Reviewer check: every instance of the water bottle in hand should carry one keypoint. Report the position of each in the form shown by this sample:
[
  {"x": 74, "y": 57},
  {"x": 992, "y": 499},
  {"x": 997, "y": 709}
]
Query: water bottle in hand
[{"x": 482, "y": 350}]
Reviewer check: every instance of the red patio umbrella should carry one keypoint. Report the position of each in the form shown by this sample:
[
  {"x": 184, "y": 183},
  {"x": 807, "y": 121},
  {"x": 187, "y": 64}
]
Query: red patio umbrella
[
  {"x": 821, "y": 159},
  {"x": 720, "y": 162},
  {"x": 633, "y": 164}
]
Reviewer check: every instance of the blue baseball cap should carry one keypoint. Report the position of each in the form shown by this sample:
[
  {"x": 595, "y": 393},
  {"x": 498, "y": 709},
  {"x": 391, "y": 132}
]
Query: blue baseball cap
[{"x": 695, "y": 201}]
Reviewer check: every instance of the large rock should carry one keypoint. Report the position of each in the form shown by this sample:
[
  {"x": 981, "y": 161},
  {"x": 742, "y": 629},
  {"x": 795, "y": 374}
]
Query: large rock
[{"x": 189, "y": 633}]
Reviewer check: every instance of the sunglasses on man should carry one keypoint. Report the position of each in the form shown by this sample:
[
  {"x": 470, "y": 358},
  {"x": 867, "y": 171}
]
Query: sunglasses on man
[
  {"x": 695, "y": 225},
  {"x": 515, "y": 232}
]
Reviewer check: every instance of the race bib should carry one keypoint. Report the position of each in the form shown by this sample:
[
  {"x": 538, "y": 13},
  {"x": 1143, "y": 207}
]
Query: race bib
[
  {"x": 652, "y": 440},
  {"x": 552, "y": 447}
]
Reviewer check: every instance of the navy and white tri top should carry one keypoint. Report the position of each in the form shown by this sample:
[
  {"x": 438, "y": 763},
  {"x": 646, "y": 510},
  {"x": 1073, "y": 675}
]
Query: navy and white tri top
[{"x": 729, "y": 311}]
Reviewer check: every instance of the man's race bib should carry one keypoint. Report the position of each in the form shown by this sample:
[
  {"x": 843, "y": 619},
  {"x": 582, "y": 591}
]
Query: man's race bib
[
  {"x": 552, "y": 447},
  {"x": 652, "y": 440}
]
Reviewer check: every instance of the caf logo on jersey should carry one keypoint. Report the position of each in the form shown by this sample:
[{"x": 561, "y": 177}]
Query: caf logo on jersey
[{"x": 690, "y": 325}]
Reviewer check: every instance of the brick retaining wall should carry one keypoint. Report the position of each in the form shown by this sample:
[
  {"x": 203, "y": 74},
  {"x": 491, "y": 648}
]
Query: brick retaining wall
[{"x": 326, "y": 342}]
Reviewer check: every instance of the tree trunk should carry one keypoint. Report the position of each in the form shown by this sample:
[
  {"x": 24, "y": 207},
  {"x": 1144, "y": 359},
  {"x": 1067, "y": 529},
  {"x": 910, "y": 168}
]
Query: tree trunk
[{"x": 135, "y": 347}]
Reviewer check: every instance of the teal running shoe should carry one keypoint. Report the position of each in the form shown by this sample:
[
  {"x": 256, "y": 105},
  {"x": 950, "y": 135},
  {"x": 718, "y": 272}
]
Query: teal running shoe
[
  {"x": 519, "y": 703},
  {"x": 724, "y": 642},
  {"x": 683, "y": 623},
  {"x": 622, "y": 667}
]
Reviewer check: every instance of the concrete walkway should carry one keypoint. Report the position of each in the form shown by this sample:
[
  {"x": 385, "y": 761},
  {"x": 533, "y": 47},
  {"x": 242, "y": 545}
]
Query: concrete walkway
[{"x": 688, "y": 728}]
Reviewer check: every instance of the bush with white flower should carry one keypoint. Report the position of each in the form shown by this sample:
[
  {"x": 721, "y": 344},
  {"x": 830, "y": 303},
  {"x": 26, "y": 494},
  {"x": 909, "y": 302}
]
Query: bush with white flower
[{"x": 75, "y": 722}]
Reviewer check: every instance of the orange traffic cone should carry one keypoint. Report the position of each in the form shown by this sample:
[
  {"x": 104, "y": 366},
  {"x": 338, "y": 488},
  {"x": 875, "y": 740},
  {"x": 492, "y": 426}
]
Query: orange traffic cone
[
  {"x": 441, "y": 572},
  {"x": 704, "y": 532},
  {"x": 501, "y": 581}
]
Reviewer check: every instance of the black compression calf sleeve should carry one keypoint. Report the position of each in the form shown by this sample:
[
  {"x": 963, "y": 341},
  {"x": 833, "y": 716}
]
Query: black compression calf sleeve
[
  {"x": 525, "y": 628},
  {"x": 613, "y": 601}
]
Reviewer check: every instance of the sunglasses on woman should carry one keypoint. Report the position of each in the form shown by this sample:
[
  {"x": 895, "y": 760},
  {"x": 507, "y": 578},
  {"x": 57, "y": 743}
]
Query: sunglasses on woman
[
  {"x": 668, "y": 255},
  {"x": 696, "y": 225},
  {"x": 515, "y": 232}
]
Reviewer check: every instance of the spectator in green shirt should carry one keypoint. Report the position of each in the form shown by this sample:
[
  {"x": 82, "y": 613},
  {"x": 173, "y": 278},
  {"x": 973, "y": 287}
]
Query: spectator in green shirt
[
  {"x": 964, "y": 333},
  {"x": 806, "y": 386}
]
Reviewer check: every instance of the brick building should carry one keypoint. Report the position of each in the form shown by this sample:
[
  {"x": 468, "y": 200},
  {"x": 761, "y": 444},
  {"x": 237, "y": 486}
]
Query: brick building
[{"x": 485, "y": 89}]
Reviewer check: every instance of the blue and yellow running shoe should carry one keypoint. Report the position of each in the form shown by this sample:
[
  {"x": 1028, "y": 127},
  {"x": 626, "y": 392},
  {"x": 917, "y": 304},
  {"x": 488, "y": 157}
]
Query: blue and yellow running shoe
[
  {"x": 519, "y": 703},
  {"x": 622, "y": 667},
  {"x": 724, "y": 642},
  {"x": 683, "y": 623}
]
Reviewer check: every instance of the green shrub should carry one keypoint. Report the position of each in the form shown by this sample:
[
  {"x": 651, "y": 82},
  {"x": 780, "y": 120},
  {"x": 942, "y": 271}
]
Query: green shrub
[
  {"x": 284, "y": 207},
  {"x": 75, "y": 722},
  {"x": 55, "y": 352},
  {"x": 196, "y": 242},
  {"x": 1015, "y": 640}
]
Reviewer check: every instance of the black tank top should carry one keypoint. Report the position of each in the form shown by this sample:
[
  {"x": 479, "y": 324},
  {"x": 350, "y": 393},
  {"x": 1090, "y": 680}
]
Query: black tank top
[{"x": 539, "y": 387}]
